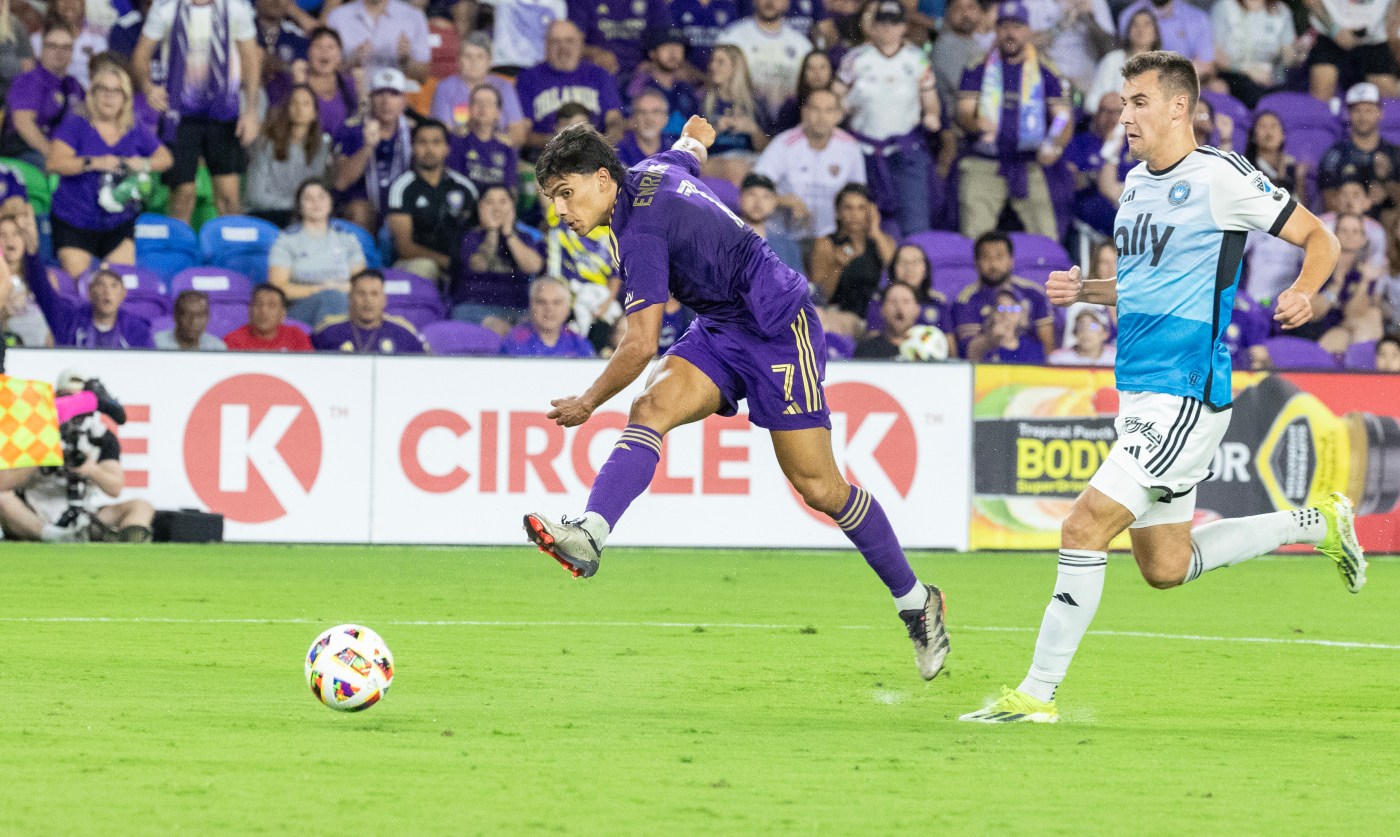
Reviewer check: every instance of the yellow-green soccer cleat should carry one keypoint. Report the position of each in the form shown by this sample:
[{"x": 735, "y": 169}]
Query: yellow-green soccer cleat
[
  {"x": 1015, "y": 707},
  {"x": 1341, "y": 544}
]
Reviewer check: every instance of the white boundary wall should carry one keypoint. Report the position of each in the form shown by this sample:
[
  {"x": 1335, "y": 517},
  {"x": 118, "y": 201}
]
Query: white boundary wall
[{"x": 328, "y": 448}]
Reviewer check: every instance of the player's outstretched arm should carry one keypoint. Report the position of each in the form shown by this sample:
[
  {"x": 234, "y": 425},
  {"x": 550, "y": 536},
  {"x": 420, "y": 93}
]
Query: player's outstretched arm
[
  {"x": 1066, "y": 287},
  {"x": 696, "y": 137},
  {"x": 636, "y": 350},
  {"x": 1320, "y": 249}
]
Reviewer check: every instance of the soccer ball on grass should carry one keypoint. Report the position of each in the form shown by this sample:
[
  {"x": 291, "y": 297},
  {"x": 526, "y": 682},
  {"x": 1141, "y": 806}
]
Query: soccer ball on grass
[{"x": 349, "y": 668}]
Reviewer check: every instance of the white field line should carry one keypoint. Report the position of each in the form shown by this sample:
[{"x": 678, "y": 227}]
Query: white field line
[{"x": 490, "y": 623}]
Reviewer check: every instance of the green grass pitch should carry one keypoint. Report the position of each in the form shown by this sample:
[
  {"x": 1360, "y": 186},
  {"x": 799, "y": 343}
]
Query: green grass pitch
[{"x": 691, "y": 692}]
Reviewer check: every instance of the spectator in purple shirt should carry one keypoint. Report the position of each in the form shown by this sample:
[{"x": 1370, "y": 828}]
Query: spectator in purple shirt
[
  {"x": 91, "y": 157},
  {"x": 663, "y": 73},
  {"x": 497, "y": 259},
  {"x": 41, "y": 98},
  {"x": 367, "y": 330},
  {"x": 544, "y": 334},
  {"x": 614, "y": 30},
  {"x": 13, "y": 193},
  {"x": 99, "y": 323},
  {"x": 325, "y": 73},
  {"x": 977, "y": 301},
  {"x": 1245, "y": 335},
  {"x": 374, "y": 150},
  {"x": 452, "y": 98},
  {"x": 650, "y": 112},
  {"x": 702, "y": 21},
  {"x": 482, "y": 153},
  {"x": 565, "y": 77},
  {"x": 1005, "y": 336}
]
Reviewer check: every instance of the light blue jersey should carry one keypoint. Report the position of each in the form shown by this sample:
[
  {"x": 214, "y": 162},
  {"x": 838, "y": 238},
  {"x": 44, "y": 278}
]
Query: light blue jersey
[{"x": 1180, "y": 235}]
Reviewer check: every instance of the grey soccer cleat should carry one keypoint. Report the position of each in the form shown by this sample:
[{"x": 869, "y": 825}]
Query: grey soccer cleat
[
  {"x": 929, "y": 632},
  {"x": 566, "y": 542}
]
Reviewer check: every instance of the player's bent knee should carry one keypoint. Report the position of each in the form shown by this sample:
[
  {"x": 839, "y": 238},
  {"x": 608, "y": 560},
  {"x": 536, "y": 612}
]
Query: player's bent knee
[
  {"x": 1160, "y": 578},
  {"x": 649, "y": 410},
  {"x": 824, "y": 494}
]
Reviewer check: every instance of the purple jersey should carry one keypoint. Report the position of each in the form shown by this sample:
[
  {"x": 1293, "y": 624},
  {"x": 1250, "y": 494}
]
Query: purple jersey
[
  {"x": 71, "y": 321},
  {"x": 393, "y": 336},
  {"x": 975, "y": 303},
  {"x": 1249, "y": 326},
  {"x": 75, "y": 199},
  {"x": 50, "y": 98},
  {"x": 524, "y": 341},
  {"x": 543, "y": 90},
  {"x": 676, "y": 238},
  {"x": 484, "y": 162},
  {"x": 503, "y": 283},
  {"x": 1028, "y": 352},
  {"x": 618, "y": 26},
  {"x": 702, "y": 23}
]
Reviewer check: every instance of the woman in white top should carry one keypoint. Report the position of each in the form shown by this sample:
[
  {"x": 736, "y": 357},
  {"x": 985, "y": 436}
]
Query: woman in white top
[
  {"x": 1144, "y": 35},
  {"x": 1089, "y": 345},
  {"x": 1254, "y": 43},
  {"x": 311, "y": 262}
]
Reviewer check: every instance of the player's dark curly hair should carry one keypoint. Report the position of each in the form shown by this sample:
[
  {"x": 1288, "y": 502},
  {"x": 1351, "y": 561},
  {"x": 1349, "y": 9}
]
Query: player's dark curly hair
[{"x": 578, "y": 149}]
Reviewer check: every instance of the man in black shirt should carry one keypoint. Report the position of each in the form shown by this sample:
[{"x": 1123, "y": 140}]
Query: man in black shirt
[{"x": 430, "y": 206}]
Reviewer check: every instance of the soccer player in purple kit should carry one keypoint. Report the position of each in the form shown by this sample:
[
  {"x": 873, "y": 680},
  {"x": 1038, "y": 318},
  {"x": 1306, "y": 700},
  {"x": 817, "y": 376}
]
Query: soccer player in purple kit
[{"x": 756, "y": 337}]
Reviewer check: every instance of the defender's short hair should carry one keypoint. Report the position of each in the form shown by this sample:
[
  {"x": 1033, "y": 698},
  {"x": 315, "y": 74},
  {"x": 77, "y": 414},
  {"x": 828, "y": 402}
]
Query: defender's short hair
[
  {"x": 578, "y": 149},
  {"x": 1175, "y": 73}
]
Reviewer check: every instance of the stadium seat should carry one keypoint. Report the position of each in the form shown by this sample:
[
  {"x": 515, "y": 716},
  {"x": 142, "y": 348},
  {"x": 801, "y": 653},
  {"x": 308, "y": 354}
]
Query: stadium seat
[
  {"x": 450, "y": 337},
  {"x": 1228, "y": 105},
  {"x": 726, "y": 191},
  {"x": 1298, "y": 353},
  {"x": 1310, "y": 127},
  {"x": 943, "y": 248},
  {"x": 1362, "y": 356},
  {"x": 165, "y": 245},
  {"x": 224, "y": 287},
  {"x": 412, "y": 297},
  {"x": 36, "y": 183},
  {"x": 225, "y": 318},
  {"x": 367, "y": 243},
  {"x": 1036, "y": 256},
  {"x": 950, "y": 281},
  {"x": 840, "y": 346},
  {"x": 1390, "y": 120},
  {"x": 238, "y": 242},
  {"x": 145, "y": 290}
]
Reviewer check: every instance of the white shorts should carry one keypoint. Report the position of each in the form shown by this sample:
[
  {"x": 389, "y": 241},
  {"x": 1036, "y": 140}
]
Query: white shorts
[{"x": 1164, "y": 449}]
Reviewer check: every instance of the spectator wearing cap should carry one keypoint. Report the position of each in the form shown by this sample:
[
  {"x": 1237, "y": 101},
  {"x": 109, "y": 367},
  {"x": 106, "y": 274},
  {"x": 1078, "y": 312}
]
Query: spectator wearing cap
[
  {"x": 374, "y": 150},
  {"x": 1255, "y": 44},
  {"x": 267, "y": 329},
  {"x": 40, "y": 99},
  {"x": 543, "y": 333},
  {"x": 565, "y": 77},
  {"x": 891, "y": 98},
  {"x": 496, "y": 262},
  {"x": 384, "y": 33},
  {"x": 452, "y": 97},
  {"x": 482, "y": 153},
  {"x": 1351, "y": 46},
  {"x": 212, "y": 64},
  {"x": 430, "y": 206},
  {"x": 758, "y": 200},
  {"x": 808, "y": 165},
  {"x": 663, "y": 73},
  {"x": 650, "y": 113},
  {"x": 977, "y": 301},
  {"x": 1012, "y": 105},
  {"x": 1363, "y": 154},
  {"x": 615, "y": 31},
  {"x": 1185, "y": 29},
  {"x": 366, "y": 329},
  {"x": 1087, "y": 343},
  {"x": 518, "y": 33},
  {"x": 191, "y": 320},
  {"x": 773, "y": 51},
  {"x": 702, "y": 21}
]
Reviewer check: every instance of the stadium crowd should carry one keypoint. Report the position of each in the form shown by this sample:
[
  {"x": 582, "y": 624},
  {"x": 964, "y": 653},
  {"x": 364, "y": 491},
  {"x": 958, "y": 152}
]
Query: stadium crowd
[{"x": 356, "y": 176}]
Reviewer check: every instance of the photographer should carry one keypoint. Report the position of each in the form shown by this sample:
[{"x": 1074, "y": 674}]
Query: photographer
[{"x": 59, "y": 504}]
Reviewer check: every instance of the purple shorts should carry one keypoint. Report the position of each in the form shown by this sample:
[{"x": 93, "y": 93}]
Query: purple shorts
[{"x": 780, "y": 375}]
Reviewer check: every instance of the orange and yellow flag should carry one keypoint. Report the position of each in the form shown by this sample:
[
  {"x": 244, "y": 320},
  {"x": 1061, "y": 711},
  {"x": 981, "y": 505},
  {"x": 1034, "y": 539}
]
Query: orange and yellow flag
[{"x": 28, "y": 424}]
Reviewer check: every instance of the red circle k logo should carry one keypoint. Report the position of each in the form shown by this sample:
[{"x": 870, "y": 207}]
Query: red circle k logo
[
  {"x": 252, "y": 448},
  {"x": 873, "y": 439}
]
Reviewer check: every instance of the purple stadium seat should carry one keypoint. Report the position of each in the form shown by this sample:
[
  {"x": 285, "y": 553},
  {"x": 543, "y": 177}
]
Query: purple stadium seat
[
  {"x": 451, "y": 337},
  {"x": 222, "y": 285},
  {"x": 944, "y": 249},
  {"x": 950, "y": 281},
  {"x": 1228, "y": 105},
  {"x": 1310, "y": 125},
  {"x": 1390, "y": 120},
  {"x": 1036, "y": 256},
  {"x": 1362, "y": 356},
  {"x": 412, "y": 297},
  {"x": 840, "y": 346},
  {"x": 726, "y": 191},
  {"x": 226, "y": 318},
  {"x": 1298, "y": 353}
]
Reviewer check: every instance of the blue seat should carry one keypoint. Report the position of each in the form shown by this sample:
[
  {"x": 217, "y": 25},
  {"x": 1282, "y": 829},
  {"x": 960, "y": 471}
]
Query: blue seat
[
  {"x": 165, "y": 245},
  {"x": 239, "y": 243},
  {"x": 373, "y": 258}
]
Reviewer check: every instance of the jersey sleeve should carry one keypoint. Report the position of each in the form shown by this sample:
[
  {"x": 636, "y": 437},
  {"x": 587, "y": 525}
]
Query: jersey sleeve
[
  {"x": 646, "y": 270},
  {"x": 1243, "y": 199},
  {"x": 676, "y": 157}
]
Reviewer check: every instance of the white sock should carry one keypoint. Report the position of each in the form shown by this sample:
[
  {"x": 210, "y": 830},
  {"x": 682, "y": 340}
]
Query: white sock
[
  {"x": 915, "y": 599},
  {"x": 1225, "y": 543},
  {"x": 594, "y": 524},
  {"x": 1078, "y": 588}
]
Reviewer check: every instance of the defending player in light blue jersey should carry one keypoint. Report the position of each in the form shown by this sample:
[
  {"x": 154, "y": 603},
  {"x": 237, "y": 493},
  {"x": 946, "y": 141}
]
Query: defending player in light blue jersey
[
  {"x": 1180, "y": 232},
  {"x": 755, "y": 338}
]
